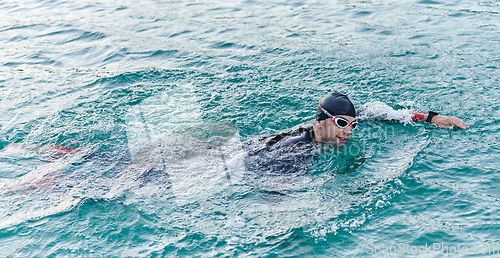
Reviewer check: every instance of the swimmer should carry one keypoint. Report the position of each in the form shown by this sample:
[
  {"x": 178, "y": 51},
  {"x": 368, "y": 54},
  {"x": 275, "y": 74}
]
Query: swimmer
[
  {"x": 284, "y": 152},
  {"x": 336, "y": 118}
]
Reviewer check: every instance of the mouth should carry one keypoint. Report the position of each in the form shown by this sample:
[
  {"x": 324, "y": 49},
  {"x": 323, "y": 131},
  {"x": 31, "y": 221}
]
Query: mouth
[{"x": 342, "y": 139}]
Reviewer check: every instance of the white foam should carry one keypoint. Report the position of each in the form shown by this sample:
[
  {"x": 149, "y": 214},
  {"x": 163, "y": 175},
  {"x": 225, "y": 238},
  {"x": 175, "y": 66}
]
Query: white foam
[
  {"x": 160, "y": 115},
  {"x": 377, "y": 110}
]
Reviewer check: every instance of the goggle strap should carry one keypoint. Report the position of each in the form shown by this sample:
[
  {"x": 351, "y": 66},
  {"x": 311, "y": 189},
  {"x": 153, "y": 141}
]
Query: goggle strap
[{"x": 326, "y": 112}]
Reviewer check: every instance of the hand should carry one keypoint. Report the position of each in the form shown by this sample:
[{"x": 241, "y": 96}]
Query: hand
[{"x": 447, "y": 122}]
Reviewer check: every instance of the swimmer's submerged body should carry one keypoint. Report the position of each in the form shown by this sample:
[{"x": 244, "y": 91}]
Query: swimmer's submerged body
[{"x": 287, "y": 152}]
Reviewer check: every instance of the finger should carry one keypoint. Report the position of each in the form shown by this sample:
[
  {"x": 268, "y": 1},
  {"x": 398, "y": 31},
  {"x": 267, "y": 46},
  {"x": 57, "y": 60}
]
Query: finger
[
  {"x": 444, "y": 125},
  {"x": 454, "y": 121},
  {"x": 461, "y": 121},
  {"x": 465, "y": 125},
  {"x": 458, "y": 122}
]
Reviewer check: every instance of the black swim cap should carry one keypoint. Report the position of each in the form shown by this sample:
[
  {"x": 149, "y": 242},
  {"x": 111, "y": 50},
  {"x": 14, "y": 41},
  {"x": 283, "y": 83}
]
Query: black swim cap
[{"x": 337, "y": 104}]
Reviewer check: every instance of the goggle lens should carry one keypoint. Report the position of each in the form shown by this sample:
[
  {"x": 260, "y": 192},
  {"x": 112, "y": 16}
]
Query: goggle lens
[{"x": 343, "y": 123}]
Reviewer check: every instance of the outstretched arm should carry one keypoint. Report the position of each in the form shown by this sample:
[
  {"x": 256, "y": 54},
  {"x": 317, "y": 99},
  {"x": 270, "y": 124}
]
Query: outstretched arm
[
  {"x": 382, "y": 112},
  {"x": 441, "y": 121}
]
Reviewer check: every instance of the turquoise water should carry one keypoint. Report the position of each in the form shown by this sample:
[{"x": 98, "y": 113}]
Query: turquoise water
[{"x": 110, "y": 78}]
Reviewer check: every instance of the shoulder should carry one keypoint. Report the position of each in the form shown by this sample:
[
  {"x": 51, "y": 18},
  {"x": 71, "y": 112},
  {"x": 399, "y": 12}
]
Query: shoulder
[{"x": 305, "y": 137}]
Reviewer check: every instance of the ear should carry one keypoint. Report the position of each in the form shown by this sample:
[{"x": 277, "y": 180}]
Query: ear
[{"x": 317, "y": 124}]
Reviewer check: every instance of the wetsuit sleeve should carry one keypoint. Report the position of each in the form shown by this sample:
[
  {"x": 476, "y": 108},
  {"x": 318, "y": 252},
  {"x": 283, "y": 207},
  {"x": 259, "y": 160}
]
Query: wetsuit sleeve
[{"x": 417, "y": 116}]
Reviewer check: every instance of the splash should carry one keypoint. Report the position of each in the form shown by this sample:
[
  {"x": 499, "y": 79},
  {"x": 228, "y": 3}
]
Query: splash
[{"x": 382, "y": 112}]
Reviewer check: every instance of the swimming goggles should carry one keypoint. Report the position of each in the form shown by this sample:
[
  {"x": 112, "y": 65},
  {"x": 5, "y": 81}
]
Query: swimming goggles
[{"x": 339, "y": 121}]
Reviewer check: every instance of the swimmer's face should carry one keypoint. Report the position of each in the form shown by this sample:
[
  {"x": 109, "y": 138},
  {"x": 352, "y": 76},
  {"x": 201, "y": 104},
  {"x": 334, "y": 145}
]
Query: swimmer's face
[{"x": 333, "y": 133}]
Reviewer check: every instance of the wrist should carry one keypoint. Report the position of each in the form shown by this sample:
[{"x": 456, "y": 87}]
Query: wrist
[{"x": 429, "y": 117}]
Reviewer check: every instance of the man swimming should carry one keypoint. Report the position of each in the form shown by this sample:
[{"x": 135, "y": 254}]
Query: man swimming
[
  {"x": 336, "y": 118},
  {"x": 282, "y": 153}
]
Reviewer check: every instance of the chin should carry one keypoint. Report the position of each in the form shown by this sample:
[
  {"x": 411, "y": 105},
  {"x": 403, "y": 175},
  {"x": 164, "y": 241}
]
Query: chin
[
  {"x": 335, "y": 143},
  {"x": 340, "y": 144}
]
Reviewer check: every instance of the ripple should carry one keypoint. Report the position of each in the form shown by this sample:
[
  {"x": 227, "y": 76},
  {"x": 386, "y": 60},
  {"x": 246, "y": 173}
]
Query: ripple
[
  {"x": 430, "y": 2},
  {"x": 362, "y": 13},
  {"x": 69, "y": 36}
]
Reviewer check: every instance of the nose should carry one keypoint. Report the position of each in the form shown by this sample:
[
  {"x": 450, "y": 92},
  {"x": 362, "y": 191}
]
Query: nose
[{"x": 347, "y": 130}]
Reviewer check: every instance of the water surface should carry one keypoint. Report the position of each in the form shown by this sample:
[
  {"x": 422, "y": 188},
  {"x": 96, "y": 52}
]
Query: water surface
[{"x": 111, "y": 78}]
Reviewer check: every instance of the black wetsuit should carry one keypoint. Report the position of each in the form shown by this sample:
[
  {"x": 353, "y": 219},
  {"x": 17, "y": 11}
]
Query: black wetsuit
[{"x": 286, "y": 152}]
